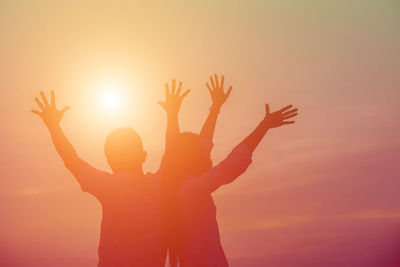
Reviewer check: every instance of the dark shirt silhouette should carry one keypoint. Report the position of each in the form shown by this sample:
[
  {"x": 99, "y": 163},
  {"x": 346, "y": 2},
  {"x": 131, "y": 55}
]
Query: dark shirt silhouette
[{"x": 131, "y": 229}]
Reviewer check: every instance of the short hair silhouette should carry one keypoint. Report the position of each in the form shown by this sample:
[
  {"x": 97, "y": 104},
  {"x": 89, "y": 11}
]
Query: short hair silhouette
[{"x": 124, "y": 149}]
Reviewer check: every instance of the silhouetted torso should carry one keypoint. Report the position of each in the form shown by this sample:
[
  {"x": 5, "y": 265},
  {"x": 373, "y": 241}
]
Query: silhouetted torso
[
  {"x": 131, "y": 229},
  {"x": 201, "y": 245}
]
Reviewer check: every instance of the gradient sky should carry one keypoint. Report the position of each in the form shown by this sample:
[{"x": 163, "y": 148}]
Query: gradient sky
[{"x": 323, "y": 192}]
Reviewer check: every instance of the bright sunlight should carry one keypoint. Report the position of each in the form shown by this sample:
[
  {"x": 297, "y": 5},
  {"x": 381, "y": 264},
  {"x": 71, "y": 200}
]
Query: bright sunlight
[
  {"x": 110, "y": 97},
  {"x": 110, "y": 100}
]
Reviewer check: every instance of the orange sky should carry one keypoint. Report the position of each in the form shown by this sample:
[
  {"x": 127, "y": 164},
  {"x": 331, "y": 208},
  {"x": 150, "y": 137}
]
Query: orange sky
[{"x": 323, "y": 192}]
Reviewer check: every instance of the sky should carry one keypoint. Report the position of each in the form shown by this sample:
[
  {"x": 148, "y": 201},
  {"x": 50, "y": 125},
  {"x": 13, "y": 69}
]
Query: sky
[{"x": 321, "y": 192}]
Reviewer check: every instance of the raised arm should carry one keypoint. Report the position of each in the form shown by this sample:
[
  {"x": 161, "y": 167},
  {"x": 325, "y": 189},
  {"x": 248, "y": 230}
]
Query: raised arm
[
  {"x": 271, "y": 120},
  {"x": 239, "y": 159},
  {"x": 172, "y": 104},
  {"x": 218, "y": 97},
  {"x": 51, "y": 117}
]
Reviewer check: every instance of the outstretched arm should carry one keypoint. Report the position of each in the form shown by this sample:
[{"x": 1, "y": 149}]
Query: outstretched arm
[
  {"x": 172, "y": 104},
  {"x": 218, "y": 97},
  {"x": 51, "y": 117},
  {"x": 239, "y": 159},
  {"x": 271, "y": 120}
]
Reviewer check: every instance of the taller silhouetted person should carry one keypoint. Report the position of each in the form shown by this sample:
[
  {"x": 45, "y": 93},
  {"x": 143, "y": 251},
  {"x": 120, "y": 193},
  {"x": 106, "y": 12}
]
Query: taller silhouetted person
[
  {"x": 131, "y": 228},
  {"x": 189, "y": 180}
]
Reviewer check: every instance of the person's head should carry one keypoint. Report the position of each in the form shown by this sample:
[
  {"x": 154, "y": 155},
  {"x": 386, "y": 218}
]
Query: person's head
[
  {"x": 124, "y": 150},
  {"x": 192, "y": 154}
]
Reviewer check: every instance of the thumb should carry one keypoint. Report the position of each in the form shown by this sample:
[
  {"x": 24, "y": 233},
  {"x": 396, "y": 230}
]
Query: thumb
[
  {"x": 64, "y": 110},
  {"x": 266, "y": 108},
  {"x": 36, "y": 112},
  {"x": 162, "y": 104}
]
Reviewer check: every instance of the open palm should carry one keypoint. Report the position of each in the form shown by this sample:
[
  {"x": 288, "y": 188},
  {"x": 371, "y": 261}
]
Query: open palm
[
  {"x": 173, "y": 97},
  {"x": 280, "y": 117},
  {"x": 217, "y": 93},
  {"x": 49, "y": 113}
]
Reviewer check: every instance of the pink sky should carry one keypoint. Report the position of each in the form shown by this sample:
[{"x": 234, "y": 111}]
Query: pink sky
[{"x": 323, "y": 192}]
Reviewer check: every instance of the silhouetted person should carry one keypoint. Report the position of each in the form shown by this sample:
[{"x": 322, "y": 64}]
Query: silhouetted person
[
  {"x": 189, "y": 180},
  {"x": 131, "y": 228},
  {"x": 172, "y": 105}
]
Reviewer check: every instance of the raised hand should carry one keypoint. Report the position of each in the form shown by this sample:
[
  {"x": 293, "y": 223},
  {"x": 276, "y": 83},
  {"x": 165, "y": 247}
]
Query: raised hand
[
  {"x": 271, "y": 120},
  {"x": 50, "y": 115},
  {"x": 217, "y": 93},
  {"x": 173, "y": 97},
  {"x": 280, "y": 117}
]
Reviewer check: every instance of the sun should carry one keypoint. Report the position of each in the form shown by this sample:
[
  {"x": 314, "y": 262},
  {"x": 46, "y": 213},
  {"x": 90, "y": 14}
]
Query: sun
[
  {"x": 113, "y": 100},
  {"x": 110, "y": 99}
]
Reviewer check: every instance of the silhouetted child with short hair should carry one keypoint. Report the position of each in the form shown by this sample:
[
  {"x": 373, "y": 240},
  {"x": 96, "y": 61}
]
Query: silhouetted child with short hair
[{"x": 131, "y": 228}]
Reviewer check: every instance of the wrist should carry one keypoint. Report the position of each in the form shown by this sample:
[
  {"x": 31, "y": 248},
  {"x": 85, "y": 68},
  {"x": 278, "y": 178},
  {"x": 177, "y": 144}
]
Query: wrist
[
  {"x": 52, "y": 125},
  {"x": 215, "y": 108},
  {"x": 172, "y": 113},
  {"x": 265, "y": 124}
]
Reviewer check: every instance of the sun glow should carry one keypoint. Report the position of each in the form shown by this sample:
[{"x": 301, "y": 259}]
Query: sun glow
[
  {"x": 110, "y": 97},
  {"x": 110, "y": 100},
  {"x": 115, "y": 102}
]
